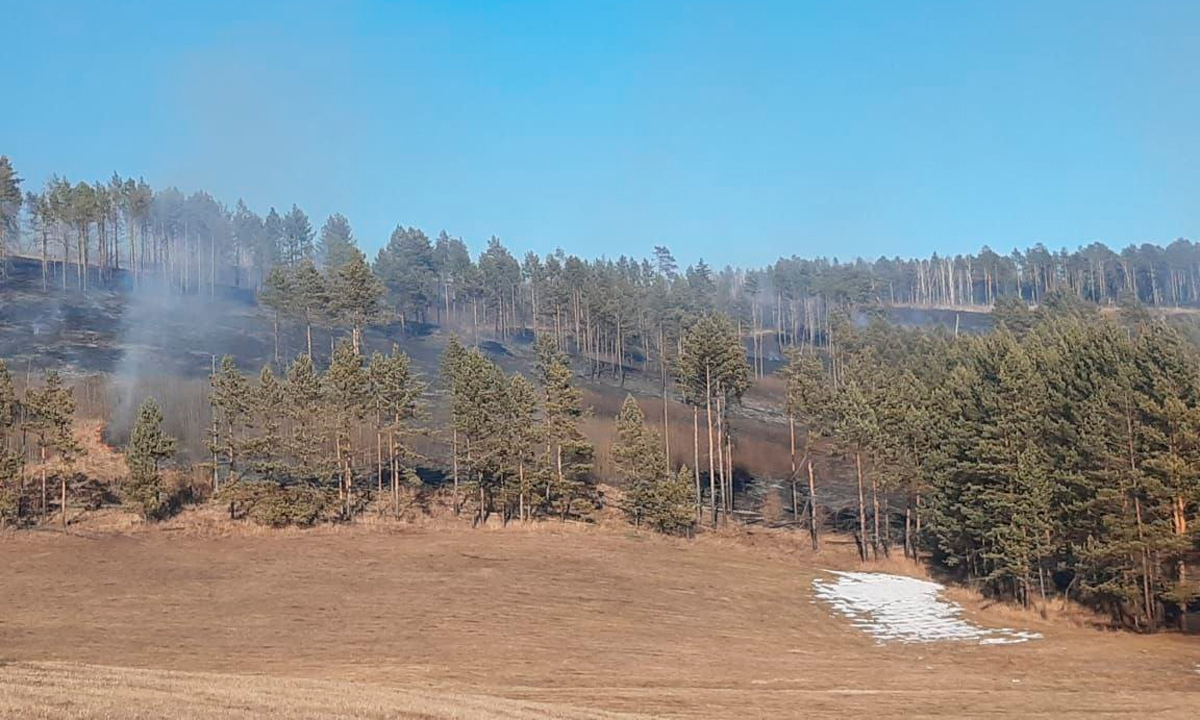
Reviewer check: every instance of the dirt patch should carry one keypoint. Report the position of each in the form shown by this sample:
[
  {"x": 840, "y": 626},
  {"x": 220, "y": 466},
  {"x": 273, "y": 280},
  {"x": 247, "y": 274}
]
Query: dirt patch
[{"x": 576, "y": 619}]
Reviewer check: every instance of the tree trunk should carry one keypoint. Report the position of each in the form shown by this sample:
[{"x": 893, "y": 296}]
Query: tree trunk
[
  {"x": 723, "y": 480},
  {"x": 454, "y": 469},
  {"x": 812, "y": 509},
  {"x": 696, "y": 461},
  {"x": 45, "y": 498},
  {"x": 712, "y": 470},
  {"x": 875, "y": 538},
  {"x": 862, "y": 509},
  {"x": 792, "y": 447}
]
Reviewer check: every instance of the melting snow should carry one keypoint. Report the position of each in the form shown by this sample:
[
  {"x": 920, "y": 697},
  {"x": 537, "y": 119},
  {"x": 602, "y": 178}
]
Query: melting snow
[{"x": 907, "y": 610}]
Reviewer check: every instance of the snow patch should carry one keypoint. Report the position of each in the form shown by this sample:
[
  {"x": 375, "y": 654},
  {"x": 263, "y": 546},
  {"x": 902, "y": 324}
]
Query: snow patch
[{"x": 904, "y": 609}]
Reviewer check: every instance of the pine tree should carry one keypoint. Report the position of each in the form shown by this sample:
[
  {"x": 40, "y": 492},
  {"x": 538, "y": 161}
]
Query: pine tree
[
  {"x": 809, "y": 400},
  {"x": 670, "y": 511},
  {"x": 336, "y": 245},
  {"x": 270, "y": 249},
  {"x": 148, "y": 446},
  {"x": 50, "y": 412},
  {"x": 713, "y": 371},
  {"x": 232, "y": 400},
  {"x": 522, "y": 438},
  {"x": 479, "y": 396},
  {"x": 11, "y": 461},
  {"x": 265, "y": 448},
  {"x": 296, "y": 242},
  {"x": 1166, "y": 390},
  {"x": 347, "y": 390},
  {"x": 568, "y": 453},
  {"x": 310, "y": 297},
  {"x": 452, "y": 365},
  {"x": 305, "y": 402},
  {"x": 277, "y": 293},
  {"x": 637, "y": 460},
  {"x": 357, "y": 295},
  {"x": 10, "y": 207},
  {"x": 395, "y": 395},
  {"x": 407, "y": 267}
]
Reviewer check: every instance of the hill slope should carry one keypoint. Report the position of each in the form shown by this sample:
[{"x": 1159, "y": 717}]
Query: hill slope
[{"x": 576, "y": 621}]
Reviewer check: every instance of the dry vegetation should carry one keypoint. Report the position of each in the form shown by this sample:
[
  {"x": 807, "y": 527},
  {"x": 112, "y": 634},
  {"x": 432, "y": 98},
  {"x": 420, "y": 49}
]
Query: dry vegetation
[{"x": 546, "y": 621}]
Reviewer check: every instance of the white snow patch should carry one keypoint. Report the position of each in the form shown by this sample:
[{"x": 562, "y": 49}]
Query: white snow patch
[{"x": 907, "y": 610}]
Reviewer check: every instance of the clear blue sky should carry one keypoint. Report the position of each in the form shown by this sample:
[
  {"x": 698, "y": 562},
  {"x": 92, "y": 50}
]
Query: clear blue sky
[{"x": 734, "y": 131}]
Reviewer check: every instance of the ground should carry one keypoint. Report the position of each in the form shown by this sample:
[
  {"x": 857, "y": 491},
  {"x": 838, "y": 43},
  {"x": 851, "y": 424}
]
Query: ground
[{"x": 554, "y": 621}]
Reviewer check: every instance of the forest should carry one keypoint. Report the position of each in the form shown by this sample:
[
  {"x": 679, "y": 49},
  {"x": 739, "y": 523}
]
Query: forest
[{"x": 1054, "y": 455}]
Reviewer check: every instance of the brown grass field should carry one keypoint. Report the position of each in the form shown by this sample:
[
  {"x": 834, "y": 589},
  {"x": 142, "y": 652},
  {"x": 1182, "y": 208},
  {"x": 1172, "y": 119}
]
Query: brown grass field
[{"x": 197, "y": 619}]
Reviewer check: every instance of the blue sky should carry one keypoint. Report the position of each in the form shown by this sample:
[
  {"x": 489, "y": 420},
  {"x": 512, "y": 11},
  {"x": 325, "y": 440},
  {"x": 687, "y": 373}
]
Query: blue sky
[{"x": 738, "y": 132}]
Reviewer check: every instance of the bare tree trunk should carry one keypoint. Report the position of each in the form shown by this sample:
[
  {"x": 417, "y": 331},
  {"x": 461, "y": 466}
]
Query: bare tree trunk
[
  {"x": 862, "y": 509},
  {"x": 45, "y": 498},
  {"x": 723, "y": 481},
  {"x": 792, "y": 446},
  {"x": 875, "y": 539},
  {"x": 394, "y": 466},
  {"x": 812, "y": 509},
  {"x": 712, "y": 470},
  {"x": 379, "y": 459},
  {"x": 454, "y": 469},
  {"x": 696, "y": 460}
]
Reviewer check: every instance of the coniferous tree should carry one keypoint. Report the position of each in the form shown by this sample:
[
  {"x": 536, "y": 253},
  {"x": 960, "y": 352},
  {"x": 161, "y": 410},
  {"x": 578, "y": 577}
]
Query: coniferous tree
[
  {"x": 521, "y": 442},
  {"x": 568, "y": 453},
  {"x": 452, "y": 365},
  {"x": 336, "y": 245},
  {"x": 654, "y": 495},
  {"x": 232, "y": 399},
  {"x": 296, "y": 241},
  {"x": 310, "y": 297},
  {"x": 148, "y": 446},
  {"x": 304, "y": 395},
  {"x": 808, "y": 399},
  {"x": 637, "y": 460},
  {"x": 357, "y": 295},
  {"x": 395, "y": 395},
  {"x": 12, "y": 483},
  {"x": 406, "y": 266},
  {"x": 348, "y": 392},
  {"x": 10, "y": 207},
  {"x": 713, "y": 370},
  {"x": 276, "y": 294},
  {"x": 50, "y": 412}
]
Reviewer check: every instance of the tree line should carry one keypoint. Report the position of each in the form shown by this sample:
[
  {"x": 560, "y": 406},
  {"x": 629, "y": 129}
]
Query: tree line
[
  {"x": 1055, "y": 456},
  {"x": 618, "y": 314},
  {"x": 327, "y": 444}
]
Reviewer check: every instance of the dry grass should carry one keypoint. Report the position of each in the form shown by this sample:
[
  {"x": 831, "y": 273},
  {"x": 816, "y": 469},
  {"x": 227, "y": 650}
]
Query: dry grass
[
  {"x": 65, "y": 690},
  {"x": 558, "y": 619}
]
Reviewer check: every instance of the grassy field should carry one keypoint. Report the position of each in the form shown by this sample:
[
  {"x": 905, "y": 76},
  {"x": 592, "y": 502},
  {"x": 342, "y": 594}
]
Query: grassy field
[{"x": 547, "y": 622}]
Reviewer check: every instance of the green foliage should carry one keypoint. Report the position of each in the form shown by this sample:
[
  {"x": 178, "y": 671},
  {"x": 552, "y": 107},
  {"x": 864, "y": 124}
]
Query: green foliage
[
  {"x": 654, "y": 495},
  {"x": 296, "y": 242},
  {"x": 713, "y": 361},
  {"x": 275, "y": 505},
  {"x": 407, "y": 267},
  {"x": 336, "y": 245},
  {"x": 357, "y": 295},
  {"x": 148, "y": 446},
  {"x": 49, "y": 412},
  {"x": 568, "y": 454}
]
